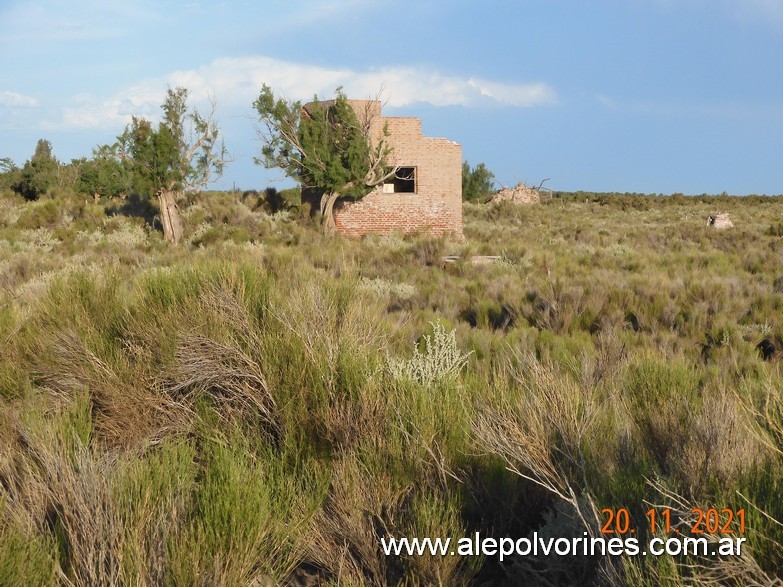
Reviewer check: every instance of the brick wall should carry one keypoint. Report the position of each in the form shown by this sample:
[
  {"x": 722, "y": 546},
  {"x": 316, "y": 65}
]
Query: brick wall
[
  {"x": 405, "y": 213},
  {"x": 436, "y": 205}
]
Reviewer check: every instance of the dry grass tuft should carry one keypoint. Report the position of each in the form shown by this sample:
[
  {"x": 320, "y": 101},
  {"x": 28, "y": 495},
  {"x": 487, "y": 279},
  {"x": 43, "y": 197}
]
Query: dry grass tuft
[
  {"x": 124, "y": 413},
  {"x": 542, "y": 435},
  {"x": 346, "y": 532},
  {"x": 60, "y": 485},
  {"x": 225, "y": 373}
]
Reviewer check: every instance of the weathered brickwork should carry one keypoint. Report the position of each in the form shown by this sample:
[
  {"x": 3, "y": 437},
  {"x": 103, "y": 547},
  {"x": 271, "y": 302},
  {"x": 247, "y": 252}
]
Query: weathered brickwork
[{"x": 435, "y": 207}]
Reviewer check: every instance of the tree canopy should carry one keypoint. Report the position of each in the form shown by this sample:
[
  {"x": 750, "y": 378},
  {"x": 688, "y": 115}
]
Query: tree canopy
[
  {"x": 184, "y": 153},
  {"x": 38, "y": 174},
  {"x": 326, "y": 146},
  {"x": 103, "y": 174},
  {"x": 476, "y": 182},
  {"x": 8, "y": 173}
]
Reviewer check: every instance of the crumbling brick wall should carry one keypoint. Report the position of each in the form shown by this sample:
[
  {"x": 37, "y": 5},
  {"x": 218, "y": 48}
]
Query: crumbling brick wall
[
  {"x": 435, "y": 207},
  {"x": 521, "y": 194}
]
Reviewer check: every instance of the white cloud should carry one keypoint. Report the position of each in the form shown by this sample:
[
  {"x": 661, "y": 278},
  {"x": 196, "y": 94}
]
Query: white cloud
[
  {"x": 90, "y": 112},
  {"x": 235, "y": 83},
  {"x": 515, "y": 95},
  {"x": 16, "y": 100}
]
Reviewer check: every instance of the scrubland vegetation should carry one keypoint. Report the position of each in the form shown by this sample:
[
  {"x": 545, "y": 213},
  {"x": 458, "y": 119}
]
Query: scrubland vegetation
[{"x": 262, "y": 403}]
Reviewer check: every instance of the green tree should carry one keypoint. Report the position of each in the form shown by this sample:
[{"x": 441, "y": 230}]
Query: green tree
[
  {"x": 39, "y": 173},
  {"x": 477, "y": 182},
  {"x": 104, "y": 174},
  {"x": 326, "y": 146},
  {"x": 184, "y": 153},
  {"x": 9, "y": 173},
  {"x": 7, "y": 165}
]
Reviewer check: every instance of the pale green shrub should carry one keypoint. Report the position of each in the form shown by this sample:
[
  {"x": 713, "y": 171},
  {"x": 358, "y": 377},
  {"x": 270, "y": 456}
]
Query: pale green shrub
[
  {"x": 441, "y": 360},
  {"x": 129, "y": 236},
  {"x": 383, "y": 288}
]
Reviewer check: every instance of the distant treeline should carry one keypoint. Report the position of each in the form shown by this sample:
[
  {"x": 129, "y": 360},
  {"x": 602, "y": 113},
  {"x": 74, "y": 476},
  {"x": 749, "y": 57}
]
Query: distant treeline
[{"x": 641, "y": 201}]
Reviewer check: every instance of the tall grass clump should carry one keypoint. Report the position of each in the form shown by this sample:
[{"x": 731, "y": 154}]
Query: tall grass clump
[
  {"x": 245, "y": 521},
  {"x": 544, "y": 432}
]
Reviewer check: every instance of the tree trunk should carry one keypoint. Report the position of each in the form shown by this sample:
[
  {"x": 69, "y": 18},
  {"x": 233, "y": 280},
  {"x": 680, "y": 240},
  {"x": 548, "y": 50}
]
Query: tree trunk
[
  {"x": 327, "y": 212},
  {"x": 173, "y": 227}
]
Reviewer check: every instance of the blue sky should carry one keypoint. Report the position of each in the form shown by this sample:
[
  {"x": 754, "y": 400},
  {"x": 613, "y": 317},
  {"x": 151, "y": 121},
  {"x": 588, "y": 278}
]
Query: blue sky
[{"x": 606, "y": 95}]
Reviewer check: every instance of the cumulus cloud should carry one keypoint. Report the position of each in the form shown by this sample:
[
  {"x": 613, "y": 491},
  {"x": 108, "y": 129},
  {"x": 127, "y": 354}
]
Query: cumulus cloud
[
  {"x": 87, "y": 111},
  {"x": 16, "y": 100},
  {"x": 235, "y": 82},
  {"x": 241, "y": 78}
]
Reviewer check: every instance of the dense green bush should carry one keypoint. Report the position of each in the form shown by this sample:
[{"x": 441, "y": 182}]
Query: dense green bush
[
  {"x": 477, "y": 182},
  {"x": 39, "y": 173}
]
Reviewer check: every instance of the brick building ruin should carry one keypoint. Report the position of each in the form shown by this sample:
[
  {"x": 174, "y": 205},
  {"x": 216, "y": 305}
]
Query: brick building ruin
[{"x": 425, "y": 195}]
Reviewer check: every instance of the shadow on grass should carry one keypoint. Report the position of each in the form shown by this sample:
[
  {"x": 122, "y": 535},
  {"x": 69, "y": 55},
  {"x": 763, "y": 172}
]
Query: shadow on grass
[{"x": 135, "y": 206}]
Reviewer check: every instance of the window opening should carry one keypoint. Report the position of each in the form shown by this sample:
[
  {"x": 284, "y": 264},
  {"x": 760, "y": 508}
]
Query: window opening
[{"x": 403, "y": 182}]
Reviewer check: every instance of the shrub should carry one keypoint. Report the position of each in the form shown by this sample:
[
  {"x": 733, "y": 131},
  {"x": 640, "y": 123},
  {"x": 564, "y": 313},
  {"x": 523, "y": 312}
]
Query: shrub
[
  {"x": 440, "y": 361},
  {"x": 44, "y": 214}
]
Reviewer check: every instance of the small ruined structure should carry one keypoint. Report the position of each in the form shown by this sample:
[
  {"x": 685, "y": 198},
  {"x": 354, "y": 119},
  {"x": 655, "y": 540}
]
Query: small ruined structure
[
  {"x": 424, "y": 195},
  {"x": 720, "y": 221},
  {"x": 521, "y": 194}
]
